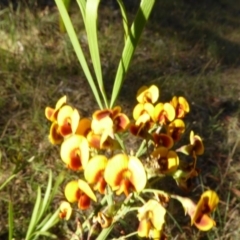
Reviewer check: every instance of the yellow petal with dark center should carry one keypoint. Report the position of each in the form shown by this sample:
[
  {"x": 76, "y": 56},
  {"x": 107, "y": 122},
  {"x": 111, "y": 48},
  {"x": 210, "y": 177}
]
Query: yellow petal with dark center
[
  {"x": 65, "y": 112},
  {"x": 146, "y": 94},
  {"x": 75, "y": 151},
  {"x": 138, "y": 176},
  {"x": 72, "y": 191},
  {"x": 115, "y": 166},
  {"x": 94, "y": 140},
  {"x": 205, "y": 223},
  {"x": 121, "y": 122},
  {"x": 95, "y": 168},
  {"x": 207, "y": 203},
  {"x": 197, "y": 143},
  {"x": 84, "y": 187},
  {"x": 65, "y": 210},
  {"x": 55, "y": 137},
  {"x": 144, "y": 228},
  {"x": 183, "y": 102}
]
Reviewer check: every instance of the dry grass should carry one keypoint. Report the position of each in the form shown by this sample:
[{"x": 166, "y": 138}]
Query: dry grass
[{"x": 185, "y": 50}]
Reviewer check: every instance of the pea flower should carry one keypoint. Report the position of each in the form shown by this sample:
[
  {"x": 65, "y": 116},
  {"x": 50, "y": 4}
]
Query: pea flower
[
  {"x": 79, "y": 191},
  {"x": 181, "y": 106},
  {"x": 143, "y": 113},
  {"x": 163, "y": 113},
  {"x": 94, "y": 172},
  {"x": 51, "y": 113},
  {"x": 75, "y": 152},
  {"x": 65, "y": 210},
  {"x": 151, "y": 220},
  {"x": 162, "y": 139},
  {"x": 194, "y": 148},
  {"x": 148, "y": 94},
  {"x": 199, "y": 213},
  {"x": 167, "y": 160},
  {"x": 125, "y": 173},
  {"x": 176, "y": 129}
]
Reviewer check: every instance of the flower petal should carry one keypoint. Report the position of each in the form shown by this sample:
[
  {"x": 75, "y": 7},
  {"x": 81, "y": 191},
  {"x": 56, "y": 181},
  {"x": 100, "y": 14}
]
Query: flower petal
[
  {"x": 65, "y": 210},
  {"x": 72, "y": 191},
  {"x": 138, "y": 176},
  {"x": 148, "y": 94},
  {"x": 84, "y": 187},
  {"x": 55, "y": 137}
]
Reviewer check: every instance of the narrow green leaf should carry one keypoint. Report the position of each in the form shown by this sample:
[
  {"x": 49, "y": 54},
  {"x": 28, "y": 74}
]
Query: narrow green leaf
[
  {"x": 77, "y": 48},
  {"x": 105, "y": 232},
  {"x": 46, "y": 234},
  {"x": 10, "y": 221},
  {"x": 124, "y": 18},
  {"x": 34, "y": 217},
  {"x": 43, "y": 222},
  {"x": 82, "y": 6},
  {"x": 130, "y": 46},
  {"x": 7, "y": 181},
  {"x": 46, "y": 197},
  {"x": 55, "y": 188},
  {"x": 91, "y": 28},
  {"x": 51, "y": 222},
  {"x": 61, "y": 23}
]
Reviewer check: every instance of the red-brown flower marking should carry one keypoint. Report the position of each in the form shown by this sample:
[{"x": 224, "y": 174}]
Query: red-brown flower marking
[
  {"x": 162, "y": 140},
  {"x": 176, "y": 129},
  {"x": 151, "y": 218},
  {"x": 199, "y": 213},
  {"x": 65, "y": 210},
  {"x": 94, "y": 172},
  {"x": 79, "y": 191},
  {"x": 75, "y": 152},
  {"x": 163, "y": 113},
  {"x": 195, "y": 147},
  {"x": 54, "y": 136},
  {"x": 181, "y": 106},
  {"x": 125, "y": 174},
  {"x": 148, "y": 94},
  {"x": 167, "y": 160}
]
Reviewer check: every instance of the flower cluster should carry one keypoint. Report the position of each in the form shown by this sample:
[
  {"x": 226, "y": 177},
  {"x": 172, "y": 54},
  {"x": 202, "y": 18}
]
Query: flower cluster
[{"x": 94, "y": 148}]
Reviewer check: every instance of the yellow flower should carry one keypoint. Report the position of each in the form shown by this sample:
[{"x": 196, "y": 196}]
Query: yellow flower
[
  {"x": 64, "y": 120},
  {"x": 181, "y": 106},
  {"x": 143, "y": 113},
  {"x": 125, "y": 173},
  {"x": 166, "y": 159},
  {"x": 75, "y": 152},
  {"x": 176, "y": 129},
  {"x": 83, "y": 127},
  {"x": 109, "y": 120},
  {"x": 54, "y": 136},
  {"x": 94, "y": 172},
  {"x": 199, "y": 213},
  {"x": 151, "y": 218},
  {"x": 148, "y": 94},
  {"x": 79, "y": 191},
  {"x": 163, "y": 113},
  {"x": 194, "y": 148},
  {"x": 51, "y": 113},
  {"x": 65, "y": 210}
]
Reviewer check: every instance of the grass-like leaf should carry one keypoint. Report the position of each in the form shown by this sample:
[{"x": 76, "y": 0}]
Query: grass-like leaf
[
  {"x": 130, "y": 46},
  {"x": 7, "y": 181},
  {"x": 33, "y": 221},
  {"x": 82, "y": 6},
  {"x": 77, "y": 48},
  {"x": 10, "y": 221},
  {"x": 91, "y": 28},
  {"x": 124, "y": 18}
]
